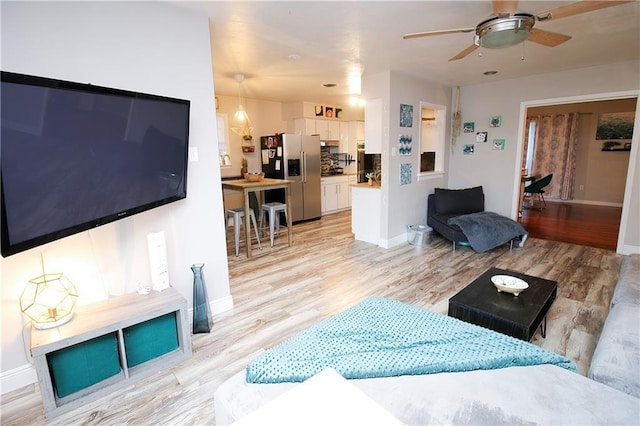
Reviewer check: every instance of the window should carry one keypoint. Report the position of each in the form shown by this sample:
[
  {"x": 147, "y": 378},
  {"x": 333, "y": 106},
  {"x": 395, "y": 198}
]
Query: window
[
  {"x": 432, "y": 139},
  {"x": 223, "y": 140}
]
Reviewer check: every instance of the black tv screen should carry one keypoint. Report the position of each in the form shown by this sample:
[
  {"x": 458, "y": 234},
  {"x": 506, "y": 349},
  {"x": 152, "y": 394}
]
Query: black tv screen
[{"x": 75, "y": 156}]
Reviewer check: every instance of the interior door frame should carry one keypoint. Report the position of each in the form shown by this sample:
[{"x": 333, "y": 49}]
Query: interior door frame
[{"x": 635, "y": 141}]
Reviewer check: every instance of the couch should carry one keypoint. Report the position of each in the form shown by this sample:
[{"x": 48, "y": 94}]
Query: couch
[
  {"x": 616, "y": 359},
  {"x": 538, "y": 394},
  {"x": 459, "y": 216},
  {"x": 444, "y": 204}
]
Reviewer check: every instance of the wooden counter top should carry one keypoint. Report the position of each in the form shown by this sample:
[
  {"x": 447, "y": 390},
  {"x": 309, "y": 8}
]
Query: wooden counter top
[{"x": 376, "y": 185}]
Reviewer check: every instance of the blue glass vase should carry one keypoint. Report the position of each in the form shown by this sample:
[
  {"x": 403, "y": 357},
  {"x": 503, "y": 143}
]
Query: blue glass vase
[{"x": 201, "y": 312}]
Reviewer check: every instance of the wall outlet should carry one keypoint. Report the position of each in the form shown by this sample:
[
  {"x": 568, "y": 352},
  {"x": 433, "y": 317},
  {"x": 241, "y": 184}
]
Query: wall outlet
[{"x": 581, "y": 187}]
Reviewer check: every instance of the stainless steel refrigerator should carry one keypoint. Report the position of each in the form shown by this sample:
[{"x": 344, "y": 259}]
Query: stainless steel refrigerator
[{"x": 296, "y": 158}]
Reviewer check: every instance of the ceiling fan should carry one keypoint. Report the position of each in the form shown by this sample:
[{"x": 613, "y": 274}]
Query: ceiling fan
[{"x": 507, "y": 27}]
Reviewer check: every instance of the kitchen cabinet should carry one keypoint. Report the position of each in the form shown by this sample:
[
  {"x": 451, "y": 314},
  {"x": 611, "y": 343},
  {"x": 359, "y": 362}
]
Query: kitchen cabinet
[
  {"x": 335, "y": 194},
  {"x": 366, "y": 215},
  {"x": 353, "y": 179},
  {"x": 305, "y": 126},
  {"x": 373, "y": 128},
  {"x": 322, "y": 128}
]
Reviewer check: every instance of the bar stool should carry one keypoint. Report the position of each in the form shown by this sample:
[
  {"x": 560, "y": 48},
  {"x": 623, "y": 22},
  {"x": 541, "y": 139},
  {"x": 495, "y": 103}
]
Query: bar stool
[
  {"x": 273, "y": 209},
  {"x": 237, "y": 215}
]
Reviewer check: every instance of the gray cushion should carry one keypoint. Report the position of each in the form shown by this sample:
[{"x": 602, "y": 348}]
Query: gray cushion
[
  {"x": 616, "y": 360},
  {"x": 628, "y": 287},
  {"x": 459, "y": 201}
]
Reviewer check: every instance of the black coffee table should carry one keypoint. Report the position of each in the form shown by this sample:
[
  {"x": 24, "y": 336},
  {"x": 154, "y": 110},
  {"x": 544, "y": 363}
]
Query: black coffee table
[{"x": 519, "y": 316}]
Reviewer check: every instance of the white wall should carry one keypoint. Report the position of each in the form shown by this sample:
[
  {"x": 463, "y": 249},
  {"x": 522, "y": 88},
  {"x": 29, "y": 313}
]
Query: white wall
[
  {"x": 403, "y": 205},
  {"x": 148, "y": 47},
  {"x": 497, "y": 171}
]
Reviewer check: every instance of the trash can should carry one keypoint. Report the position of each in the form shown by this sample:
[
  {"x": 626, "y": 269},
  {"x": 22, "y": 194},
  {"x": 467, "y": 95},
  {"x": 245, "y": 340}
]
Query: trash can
[{"x": 419, "y": 235}]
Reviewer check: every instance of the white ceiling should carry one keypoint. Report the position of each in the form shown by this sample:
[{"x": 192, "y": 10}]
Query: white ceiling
[{"x": 336, "y": 40}]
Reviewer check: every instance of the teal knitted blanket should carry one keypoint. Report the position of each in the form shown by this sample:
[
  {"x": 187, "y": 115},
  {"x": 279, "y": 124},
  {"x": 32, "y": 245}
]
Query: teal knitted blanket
[{"x": 381, "y": 338}]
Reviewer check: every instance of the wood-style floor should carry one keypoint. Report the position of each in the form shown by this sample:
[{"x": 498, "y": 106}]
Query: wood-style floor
[
  {"x": 283, "y": 290},
  {"x": 584, "y": 224}
]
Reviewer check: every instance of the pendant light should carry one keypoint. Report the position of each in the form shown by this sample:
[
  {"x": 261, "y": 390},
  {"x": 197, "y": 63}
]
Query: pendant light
[{"x": 241, "y": 123}]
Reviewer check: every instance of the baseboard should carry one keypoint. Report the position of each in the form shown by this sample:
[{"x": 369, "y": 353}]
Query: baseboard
[
  {"x": 18, "y": 378},
  {"x": 221, "y": 305},
  {"x": 628, "y": 249},
  {"x": 587, "y": 202}
]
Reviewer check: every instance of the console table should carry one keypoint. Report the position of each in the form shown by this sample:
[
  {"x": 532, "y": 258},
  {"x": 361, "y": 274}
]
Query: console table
[{"x": 107, "y": 345}]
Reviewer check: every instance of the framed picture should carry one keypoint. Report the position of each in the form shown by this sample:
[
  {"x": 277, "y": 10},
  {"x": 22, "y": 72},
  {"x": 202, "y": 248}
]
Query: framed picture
[
  {"x": 468, "y": 149},
  {"x": 404, "y": 145},
  {"x": 328, "y": 112},
  {"x": 405, "y": 174},
  {"x": 469, "y": 127},
  {"x": 615, "y": 125},
  {"x": 406, "y": 115},
  {"x": 498, "y": 144},
  {"x": 319, "y": 110},
  {"x": 482, "y": 137},
  {"x": 338, "y": 112},
  {"x": 495, "y": 121}
]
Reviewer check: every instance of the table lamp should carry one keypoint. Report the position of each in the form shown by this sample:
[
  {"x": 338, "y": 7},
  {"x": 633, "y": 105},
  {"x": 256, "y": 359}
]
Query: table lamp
[{"x": 49, "y": 300}]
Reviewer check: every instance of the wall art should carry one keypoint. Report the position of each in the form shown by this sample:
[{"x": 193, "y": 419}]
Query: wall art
[
  {"x": 469, "y": 127},
  {"x": 405, "y": 174},
  {"x": 404, "y": 145},
  {"x": 615, "y": 125},
  {"x": 406, "y": 115},
  {"x": 468, "y": 149},
  {"x": 495, "y": 121},
  {"x": 482, "y": 137},
  {"x": 328, "y": 112},
  {"x": 338, "y": 112},
  {"x": 319, "y": 110},
  {"x": 498, "y": 144}
]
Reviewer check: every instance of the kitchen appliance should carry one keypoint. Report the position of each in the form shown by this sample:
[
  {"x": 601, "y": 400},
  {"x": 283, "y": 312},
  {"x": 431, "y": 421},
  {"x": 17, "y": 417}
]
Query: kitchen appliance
[{"x": 295, "y": 158}]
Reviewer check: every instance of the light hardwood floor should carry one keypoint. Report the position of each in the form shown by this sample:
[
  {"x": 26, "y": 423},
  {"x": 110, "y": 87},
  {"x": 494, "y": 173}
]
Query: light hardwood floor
[{"x": 283, "y": 290}]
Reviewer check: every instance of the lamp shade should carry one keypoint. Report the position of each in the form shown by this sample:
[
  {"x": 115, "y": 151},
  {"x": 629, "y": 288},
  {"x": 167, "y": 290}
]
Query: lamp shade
[{"x": 49, "y": 300}]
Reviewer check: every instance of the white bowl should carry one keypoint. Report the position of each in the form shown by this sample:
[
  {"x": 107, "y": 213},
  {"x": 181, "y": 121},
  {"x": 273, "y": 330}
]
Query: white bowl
[{"x": 509, "y": 284}]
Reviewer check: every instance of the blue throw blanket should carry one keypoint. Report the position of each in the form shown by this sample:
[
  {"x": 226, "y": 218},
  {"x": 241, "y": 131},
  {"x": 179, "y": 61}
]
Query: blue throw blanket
[
  {"x": 486, "y": 230},
  {"x": 381, "y": 338}
]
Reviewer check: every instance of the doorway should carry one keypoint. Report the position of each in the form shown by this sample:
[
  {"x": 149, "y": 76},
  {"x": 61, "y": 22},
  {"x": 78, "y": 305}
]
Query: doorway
[{"x": 597, "y": 185}]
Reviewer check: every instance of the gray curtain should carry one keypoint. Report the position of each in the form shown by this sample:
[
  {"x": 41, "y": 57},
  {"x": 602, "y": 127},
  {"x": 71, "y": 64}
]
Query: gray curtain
[{"x": 555, "y": 152}]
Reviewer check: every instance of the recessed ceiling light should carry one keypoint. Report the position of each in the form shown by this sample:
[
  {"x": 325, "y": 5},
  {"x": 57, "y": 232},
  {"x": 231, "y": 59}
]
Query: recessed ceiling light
[
  {"x": 490, "y": 72},
  {"x": 294, "y": 56},
  {"x": 329, "y": 84}
]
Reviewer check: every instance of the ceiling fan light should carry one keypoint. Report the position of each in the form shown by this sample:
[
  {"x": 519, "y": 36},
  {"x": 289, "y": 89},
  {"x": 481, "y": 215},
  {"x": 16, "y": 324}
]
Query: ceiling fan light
[{"x": 496, "y": 33}]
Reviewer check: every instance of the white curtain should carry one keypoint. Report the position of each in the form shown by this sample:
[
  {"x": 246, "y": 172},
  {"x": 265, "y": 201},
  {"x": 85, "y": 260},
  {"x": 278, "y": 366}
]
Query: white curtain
[{"x": 555, "y": 152}]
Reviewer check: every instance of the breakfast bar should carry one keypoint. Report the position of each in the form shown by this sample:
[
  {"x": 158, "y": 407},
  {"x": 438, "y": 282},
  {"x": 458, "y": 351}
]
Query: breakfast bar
[{"x": 265, "y": 184}]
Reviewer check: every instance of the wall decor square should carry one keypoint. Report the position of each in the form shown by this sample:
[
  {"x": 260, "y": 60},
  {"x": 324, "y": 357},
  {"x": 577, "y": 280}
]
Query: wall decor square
[
  {"x": 406, "y": 115},
  {"x": 495, "y": 121},
  {"x": 319, "y": 110},
  {"x": 405, "y": 174},
  {"x": 615, "y": 125},
  {"x": 404, "y": 145},
  {"x": 468, "y": 149},
  {"x": 482, "y": 137},
  {"x": 498, "y": 144},
  {"x": 469, "y": 127}
]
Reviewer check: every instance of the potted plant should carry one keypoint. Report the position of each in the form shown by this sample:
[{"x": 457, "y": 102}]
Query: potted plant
[{"x": 370, "y": 176}]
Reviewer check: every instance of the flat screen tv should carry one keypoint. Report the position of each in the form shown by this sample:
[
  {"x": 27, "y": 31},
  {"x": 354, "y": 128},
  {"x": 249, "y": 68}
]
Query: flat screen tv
[{"x": 75, "y": 156}]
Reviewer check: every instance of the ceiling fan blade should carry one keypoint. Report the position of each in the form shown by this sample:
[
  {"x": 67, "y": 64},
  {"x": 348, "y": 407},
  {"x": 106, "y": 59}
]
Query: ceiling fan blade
[
  {"x": 547, "y": 38},
  {"x": 504, "y": 8},
  {"x": 578, "y": 8},
  {"x": 434, "y": 33},
  {"x": 465, "y": 52}
]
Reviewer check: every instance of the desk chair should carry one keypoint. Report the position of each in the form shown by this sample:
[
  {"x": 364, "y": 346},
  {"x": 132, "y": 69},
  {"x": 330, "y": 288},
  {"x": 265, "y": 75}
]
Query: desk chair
[{"x": 537, "y": 187}]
